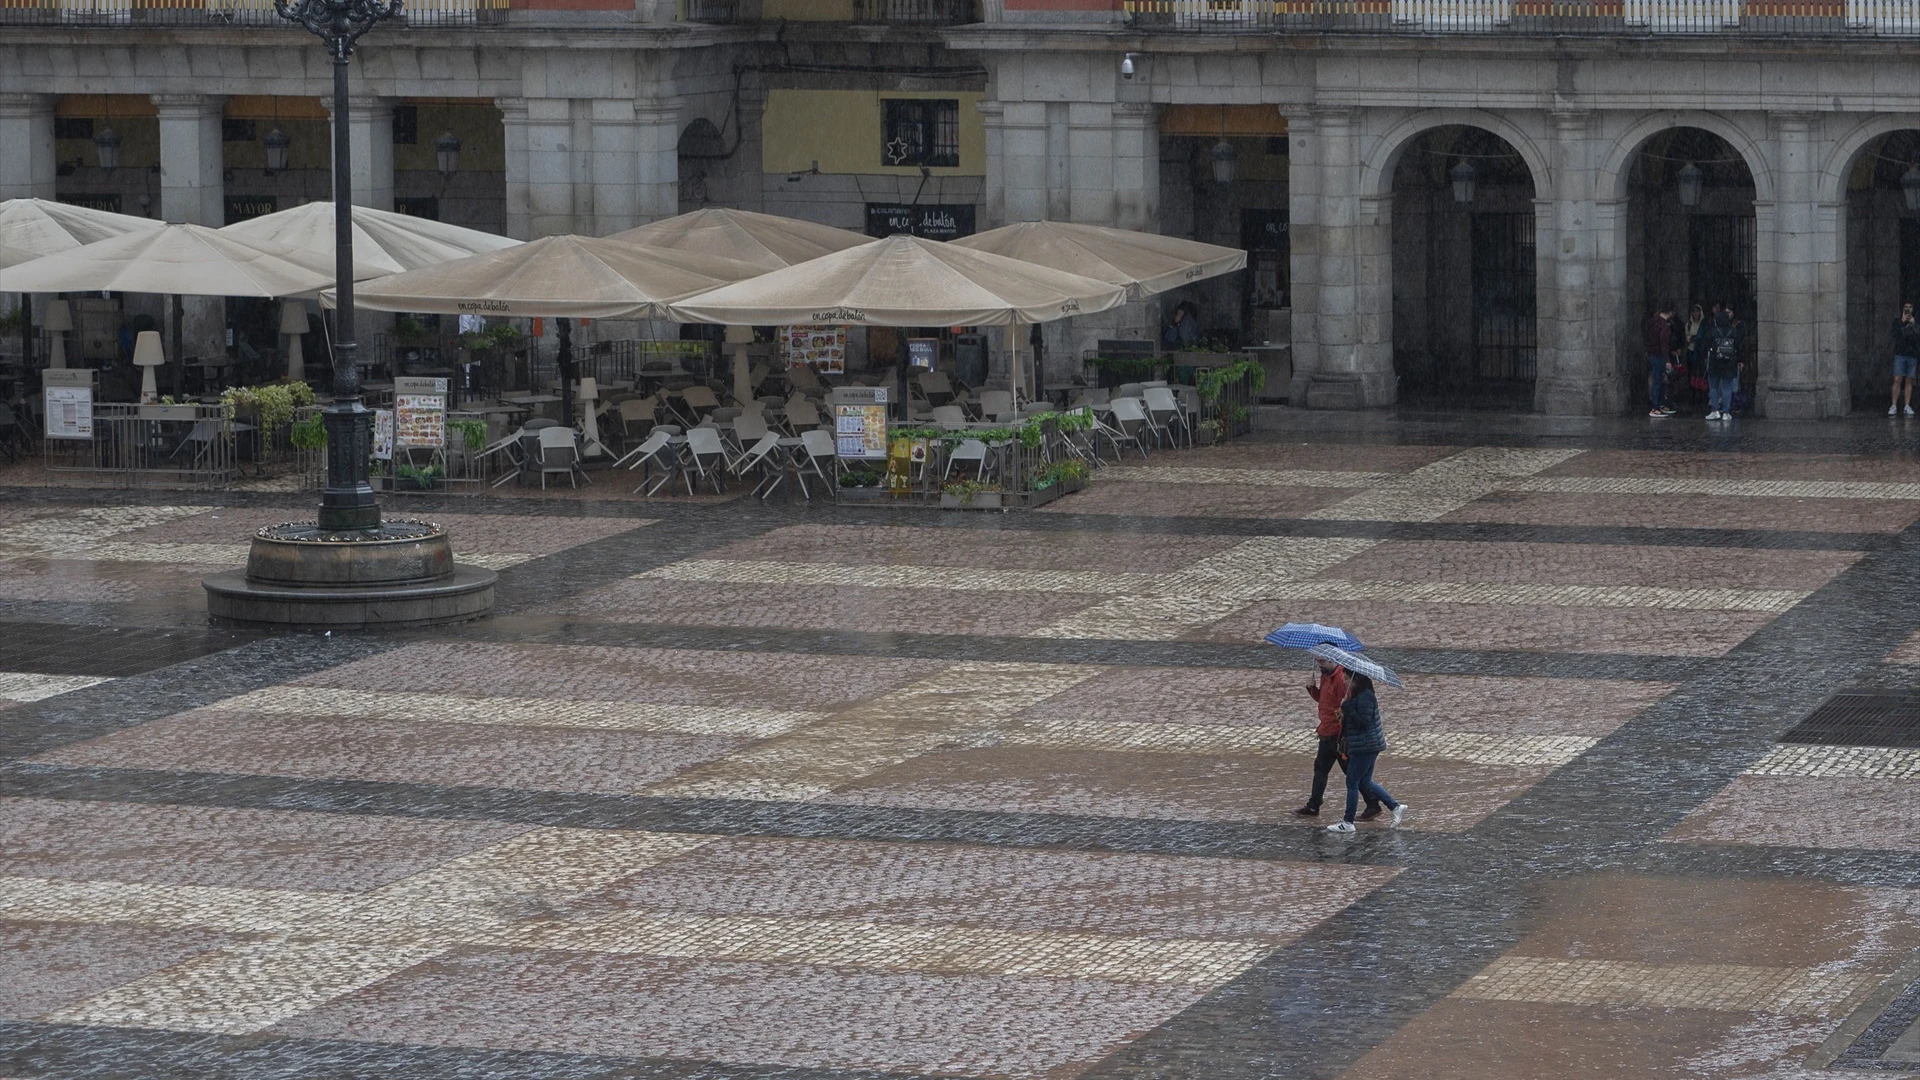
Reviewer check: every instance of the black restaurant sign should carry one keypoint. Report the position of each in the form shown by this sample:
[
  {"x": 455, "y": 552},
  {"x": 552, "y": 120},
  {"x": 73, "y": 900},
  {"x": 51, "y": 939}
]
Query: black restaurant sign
[{"x": 947, "y": 222}]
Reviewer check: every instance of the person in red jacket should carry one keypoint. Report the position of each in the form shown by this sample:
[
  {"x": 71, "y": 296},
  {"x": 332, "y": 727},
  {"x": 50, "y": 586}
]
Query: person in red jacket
[{"x": 1329, "y": 692}]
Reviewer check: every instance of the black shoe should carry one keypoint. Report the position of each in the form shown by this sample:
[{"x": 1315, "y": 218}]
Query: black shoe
[
  {"x": 1308, "y": 811},
  {"x": 1372, "y": 811}
]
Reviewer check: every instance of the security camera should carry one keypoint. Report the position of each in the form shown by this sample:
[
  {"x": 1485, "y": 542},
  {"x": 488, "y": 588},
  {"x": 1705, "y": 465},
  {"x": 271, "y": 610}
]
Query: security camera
[{"x": 1126, "y": 66}]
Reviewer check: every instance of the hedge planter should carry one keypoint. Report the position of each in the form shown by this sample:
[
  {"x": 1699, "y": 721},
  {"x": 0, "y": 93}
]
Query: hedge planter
[{"x": 985, "y": 500}]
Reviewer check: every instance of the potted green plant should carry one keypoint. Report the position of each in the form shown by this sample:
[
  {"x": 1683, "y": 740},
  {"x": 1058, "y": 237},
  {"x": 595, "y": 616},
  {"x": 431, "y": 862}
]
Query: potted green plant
[
  {"x": 970, "y": 495},
  {"x": 1207, "y": 432}
]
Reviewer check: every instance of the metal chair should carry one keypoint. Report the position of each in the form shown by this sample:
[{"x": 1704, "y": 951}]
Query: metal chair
[
  {"x": 706, "y": 456},
  {"x": 560, "y": 453},
  {"x": 819, "y": 448},
  {"x": 969, "y": 450},
  {"x": 656, "y": 450}
]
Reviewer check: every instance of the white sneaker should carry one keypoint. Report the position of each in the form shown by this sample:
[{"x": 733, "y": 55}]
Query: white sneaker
[
  {"x": 1909, "y": 410},
  {"x": 1341, "y": 827},
  {"x": 1713, "y": 416},
  {"x": 1398, "y": 813},
  {"x": 1893, "y": 410}
]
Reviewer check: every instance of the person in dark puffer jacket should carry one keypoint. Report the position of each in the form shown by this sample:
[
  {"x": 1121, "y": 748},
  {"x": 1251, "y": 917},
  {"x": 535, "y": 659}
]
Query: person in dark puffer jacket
[{"x": 1360, "y": 724}]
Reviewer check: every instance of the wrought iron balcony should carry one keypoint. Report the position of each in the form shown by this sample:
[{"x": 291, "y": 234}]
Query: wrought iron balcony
[
  {"x": 1854, "y": 18},
  {"x": 921, "y": 12},
  {"x": 178, "y": 13}
]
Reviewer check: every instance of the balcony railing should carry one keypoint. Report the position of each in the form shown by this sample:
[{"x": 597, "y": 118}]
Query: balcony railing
[
  {"x": 924, "y": 12},
  {"x": 224, "y": 13},
  {"x": 1556, "y": 17}
]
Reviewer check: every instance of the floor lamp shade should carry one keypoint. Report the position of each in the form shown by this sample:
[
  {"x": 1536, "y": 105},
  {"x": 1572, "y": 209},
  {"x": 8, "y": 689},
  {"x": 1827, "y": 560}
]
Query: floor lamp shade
[
  {"x": 58, "y": 322},
  {"x": 293, "y": 323},
  {"x": 148, "y": 355}
]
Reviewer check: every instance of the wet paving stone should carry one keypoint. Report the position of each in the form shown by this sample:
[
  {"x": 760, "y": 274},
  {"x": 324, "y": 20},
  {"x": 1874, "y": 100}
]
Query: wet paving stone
[{"x": 802, "y": 792}]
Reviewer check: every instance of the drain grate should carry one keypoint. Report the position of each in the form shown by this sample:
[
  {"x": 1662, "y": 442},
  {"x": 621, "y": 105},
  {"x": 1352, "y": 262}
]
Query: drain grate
[
  {"x": 60, "y": 649},
  {"x": 1862, "y": 718}
]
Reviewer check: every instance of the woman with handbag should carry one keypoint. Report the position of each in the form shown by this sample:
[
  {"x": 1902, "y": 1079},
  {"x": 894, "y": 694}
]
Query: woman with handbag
[{"x": 1361, "y": 731}]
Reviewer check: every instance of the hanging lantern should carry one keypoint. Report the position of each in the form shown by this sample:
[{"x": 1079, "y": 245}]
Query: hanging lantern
[
  {"x": 106, "y": 144},
  {"x": 1462, "y": 176},
  {"x": 1910, "y": 186},
  {"x": 1687, "y": 181},
  {"x": 276, "y": 143},
  {"x": 1225, "y": 161},
  {"x": 447, "y": 149}
]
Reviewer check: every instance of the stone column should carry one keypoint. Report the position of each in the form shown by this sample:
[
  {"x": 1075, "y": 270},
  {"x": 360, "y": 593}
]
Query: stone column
[
  {"x": 370, "y": 137},
  {"x": 1353, "y": 308},
  {"x": 549, "y": 166},
  {"x": 513, "y": 120},
  {"x": 1023, "y": 141},
  {"x": 657, "y": 160},
  {"x": 1136, "y": 166},
  {"x": 1790, "y": 386},
  {"x": 191, "y": 188},
  {"x": 611, "y": 164},
  {"x": 1304, "y": 238},
  {"x": 993, "y": 210},
  {"x": 1573, "y": 346},
  {"x": 26, "y": 130}
]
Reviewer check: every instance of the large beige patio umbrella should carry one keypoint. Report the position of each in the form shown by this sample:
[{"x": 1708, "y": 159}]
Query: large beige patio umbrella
[
  {"x": 767, "y": 241},
  {"x": 1146, "y": 263},
  {"x": 907, "y": 281},
  {"x": 178, "y": 260},
  {"x": 381, "y": 238},
  {"x": 41, "y": 226},
  {"x": 580, "y": 277}
]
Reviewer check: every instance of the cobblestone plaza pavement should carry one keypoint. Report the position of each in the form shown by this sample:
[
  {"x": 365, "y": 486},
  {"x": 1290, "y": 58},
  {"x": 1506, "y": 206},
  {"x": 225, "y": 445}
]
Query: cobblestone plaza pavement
[{"x": 729, "y": 790}]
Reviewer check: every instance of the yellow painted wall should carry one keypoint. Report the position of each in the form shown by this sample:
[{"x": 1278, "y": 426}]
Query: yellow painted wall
[{"x": 841, "y": 130}]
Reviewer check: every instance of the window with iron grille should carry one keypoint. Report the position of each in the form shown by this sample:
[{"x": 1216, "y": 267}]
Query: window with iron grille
[
  {"x": 406, "y": 125},
  {"x": 233, "y": 130},
  {"x": 72, "y": 127},
  {"x": 921, "y": 131}
]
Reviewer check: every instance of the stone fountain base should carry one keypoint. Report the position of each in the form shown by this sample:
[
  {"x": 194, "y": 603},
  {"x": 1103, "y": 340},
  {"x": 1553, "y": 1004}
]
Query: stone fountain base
[{"x": 399, "y": 575}]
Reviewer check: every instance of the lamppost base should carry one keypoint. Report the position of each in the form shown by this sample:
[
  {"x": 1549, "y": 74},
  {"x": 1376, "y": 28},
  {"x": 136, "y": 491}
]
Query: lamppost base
[{"x": 396, "y": 576}]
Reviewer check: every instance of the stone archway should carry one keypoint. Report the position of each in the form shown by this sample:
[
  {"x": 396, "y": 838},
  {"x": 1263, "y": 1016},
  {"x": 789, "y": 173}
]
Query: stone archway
[
  {"x": 1692, "y": 238},
  {"x": 1882, "y": 261},
  {"x": 1465, "y": 311}
]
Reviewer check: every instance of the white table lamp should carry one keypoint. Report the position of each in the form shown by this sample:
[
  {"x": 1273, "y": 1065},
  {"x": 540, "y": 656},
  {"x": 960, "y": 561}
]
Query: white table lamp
[
  {"x": 148, "y": 355},
  {"x": 58, "y": 322},
  {"x": 293, "y": 323}
]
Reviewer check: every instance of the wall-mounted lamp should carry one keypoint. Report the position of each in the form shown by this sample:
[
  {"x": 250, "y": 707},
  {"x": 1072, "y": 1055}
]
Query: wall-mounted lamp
[
  {"x": 446, "y": 150},
  {"x": 1687, "y": 182},
  {"x": 276, "y": 143},
  {"x": 1462, "y": 178},
  {"x": 1225, "y": 161},
  {"x": 106, "y": 145}
]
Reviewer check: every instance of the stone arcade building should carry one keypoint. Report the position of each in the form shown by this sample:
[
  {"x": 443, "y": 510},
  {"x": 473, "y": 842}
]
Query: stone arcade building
[{"x": 1467, "y": 197}]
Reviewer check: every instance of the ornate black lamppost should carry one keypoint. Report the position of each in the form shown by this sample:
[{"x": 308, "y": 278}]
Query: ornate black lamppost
[
  {"x": 347, "y": 569},
  {"x": 347, "y": 503}
]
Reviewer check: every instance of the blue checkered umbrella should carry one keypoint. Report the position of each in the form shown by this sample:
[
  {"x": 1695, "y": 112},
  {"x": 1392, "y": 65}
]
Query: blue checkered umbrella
[
  {"x": 1358, "y": 664},
  {"x": 1305, "y": 635}
]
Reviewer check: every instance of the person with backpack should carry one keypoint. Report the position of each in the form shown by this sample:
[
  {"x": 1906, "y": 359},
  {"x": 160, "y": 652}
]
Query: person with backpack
[
  {"x": 1906, "y": 355},
  {"x": 1365, "y": 739},
  {"x": 1723, "y": 364},
  {"x": 1330, "y": 693}
]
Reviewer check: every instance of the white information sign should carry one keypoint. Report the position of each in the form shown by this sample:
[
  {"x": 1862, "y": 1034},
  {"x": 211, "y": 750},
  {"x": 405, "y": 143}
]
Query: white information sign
[
  {"x": 383, "y": 434},
  {"x": 69, "y": 412},
  {"x": 860, "y": 422}
]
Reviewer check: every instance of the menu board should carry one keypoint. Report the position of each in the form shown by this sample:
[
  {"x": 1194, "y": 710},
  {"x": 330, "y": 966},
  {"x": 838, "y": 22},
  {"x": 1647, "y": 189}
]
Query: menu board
[
  {"x": 419, "y": 421},
  {"x": 860, "y": 423},
  {"x": 69, "y": 412},
  {"x": 383, "y": 434},
  {"x": 825, "y": 347}
]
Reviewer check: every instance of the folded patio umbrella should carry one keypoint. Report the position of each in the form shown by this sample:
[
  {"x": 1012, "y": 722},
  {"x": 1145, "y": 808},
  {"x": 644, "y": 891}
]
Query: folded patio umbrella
[
  {"x": 765, "y": 240},
  {"x": 189, "y": 260},
  {"x": 580, "y": 277},
  {"x": 1146, "y": 263},
  {"x": 30, "y": 228},
  {"x": 904, "y": 281},
  {"x": 1352, "y": 662},
  {"x": 1297, "y": 635},
  {"x": 381, "y": 238}
]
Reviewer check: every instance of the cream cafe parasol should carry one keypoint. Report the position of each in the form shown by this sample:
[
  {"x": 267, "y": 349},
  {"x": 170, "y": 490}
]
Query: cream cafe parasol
[
  {"x": 381, "y": 238},
  {"x": 906, "y": 281},
  {"x": 767, "y": 241},
  {"x": 30, "y": 228},
  {"x": 1145, "y": 263}
]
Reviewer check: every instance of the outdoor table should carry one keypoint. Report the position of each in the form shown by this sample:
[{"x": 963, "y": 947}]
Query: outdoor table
[{"x": 1061, "y": 392}]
